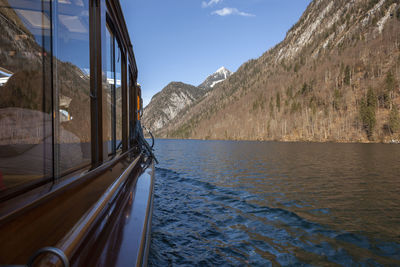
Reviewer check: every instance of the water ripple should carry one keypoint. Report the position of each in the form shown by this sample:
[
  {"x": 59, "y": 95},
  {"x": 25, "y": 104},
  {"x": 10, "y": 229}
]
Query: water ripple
[{"x": 224, "y": 214}]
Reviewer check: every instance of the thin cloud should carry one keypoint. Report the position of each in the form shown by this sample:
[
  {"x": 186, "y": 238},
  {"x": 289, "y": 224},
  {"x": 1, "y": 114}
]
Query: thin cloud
[
  {"x": 226, "y": 11},
  {"x": 205, "y": 4}
]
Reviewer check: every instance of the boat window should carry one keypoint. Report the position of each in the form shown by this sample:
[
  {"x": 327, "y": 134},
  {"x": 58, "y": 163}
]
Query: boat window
[
  {"x": 25, "y": 89},
  {"x": 113, "y": 57},
  {"x": 130, "y": 104},
  {"x": 109, "y": 93},
  {"x": 138, "y": 102},
  {"x": 118, "y": 94},
  {"x": 45, "y": 103},
  {"x": 72, "y": 84}
]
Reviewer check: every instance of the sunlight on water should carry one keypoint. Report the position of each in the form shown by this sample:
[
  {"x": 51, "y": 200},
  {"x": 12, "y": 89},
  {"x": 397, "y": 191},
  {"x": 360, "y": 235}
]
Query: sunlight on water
[{"x": 267, "y": 203}]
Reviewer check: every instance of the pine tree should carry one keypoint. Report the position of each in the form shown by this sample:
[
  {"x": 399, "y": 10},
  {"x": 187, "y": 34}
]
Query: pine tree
[
  {"x": 371, "y": 98},
  {"x": 347, "y": 75},
  {"x": 271, "y": 106},
  {"x": 390, "y": 82},
  {"x": 394, "y": 120},
  {"x": 367, "y": 112},
  {"x": 278, "y": 101}
]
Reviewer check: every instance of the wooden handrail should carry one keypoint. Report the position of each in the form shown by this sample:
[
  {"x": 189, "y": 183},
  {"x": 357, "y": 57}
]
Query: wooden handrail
[{"x": 74, "y": 238}]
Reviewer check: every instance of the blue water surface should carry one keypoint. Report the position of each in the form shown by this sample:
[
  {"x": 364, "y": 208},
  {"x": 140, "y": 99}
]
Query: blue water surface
[{"x": 227, "y": 203}]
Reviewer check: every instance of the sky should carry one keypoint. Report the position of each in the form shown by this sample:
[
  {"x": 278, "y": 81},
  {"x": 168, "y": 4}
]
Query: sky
[{"x": 187, "y": 40}]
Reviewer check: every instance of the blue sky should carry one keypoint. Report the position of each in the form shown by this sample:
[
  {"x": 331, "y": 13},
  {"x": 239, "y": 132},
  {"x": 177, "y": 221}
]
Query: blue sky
[{"x": 187, "y": 40}]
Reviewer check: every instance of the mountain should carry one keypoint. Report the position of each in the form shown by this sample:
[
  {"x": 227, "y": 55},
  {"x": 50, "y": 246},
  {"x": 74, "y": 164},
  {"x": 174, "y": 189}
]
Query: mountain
[
  {"x": 335, "y": 77},
  {"x": 219, "y": 76},
  {"x": 165, "y": 105},
  {"x": 175, "y": 98}
]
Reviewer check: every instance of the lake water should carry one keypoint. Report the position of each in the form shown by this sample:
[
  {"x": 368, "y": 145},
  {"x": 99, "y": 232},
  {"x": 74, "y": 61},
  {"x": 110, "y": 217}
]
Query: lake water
[{"x": 269, "y": 203}]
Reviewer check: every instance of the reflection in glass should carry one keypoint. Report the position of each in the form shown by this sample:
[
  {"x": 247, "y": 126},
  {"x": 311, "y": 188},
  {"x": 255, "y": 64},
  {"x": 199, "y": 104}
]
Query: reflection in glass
[
  {"x": 108, "y": 93},
  {"x": 129, "y": 102},
  {"x": 112, "y": 93},
  {"x": 25, "y": 102},
  {"x": 72, "y": 66},
  {"x": 118, "y": 95}
]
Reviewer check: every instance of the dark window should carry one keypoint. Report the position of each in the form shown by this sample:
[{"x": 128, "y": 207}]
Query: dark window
[{"x": 25, "y": 86}]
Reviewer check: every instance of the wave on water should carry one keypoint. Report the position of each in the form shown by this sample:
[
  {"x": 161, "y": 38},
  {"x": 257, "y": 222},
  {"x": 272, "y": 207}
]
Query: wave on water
[{"x": 198, "y": 223}]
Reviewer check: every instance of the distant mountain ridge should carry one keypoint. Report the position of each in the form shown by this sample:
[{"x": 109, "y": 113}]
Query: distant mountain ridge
[
  {"x": 335, "y": 77},
  {"x": 176, "y": 97}
]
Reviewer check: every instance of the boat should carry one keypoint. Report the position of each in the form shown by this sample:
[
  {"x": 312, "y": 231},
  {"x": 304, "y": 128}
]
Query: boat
[{"x": 76, "y": 173}]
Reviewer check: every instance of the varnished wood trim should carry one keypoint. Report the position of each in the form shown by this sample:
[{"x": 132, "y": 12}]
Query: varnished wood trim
[
  {"x": 26, "y": 187},
  {"x": 145, "y": 241},
  {"x": 122, "y": 225},
  {"x": 13, "y": 210},
  {"x": 74, "y": 238}
]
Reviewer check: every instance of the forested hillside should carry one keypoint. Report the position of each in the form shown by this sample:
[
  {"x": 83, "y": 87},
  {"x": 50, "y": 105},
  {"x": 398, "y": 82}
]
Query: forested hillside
[{"x": 335, "y": 77}]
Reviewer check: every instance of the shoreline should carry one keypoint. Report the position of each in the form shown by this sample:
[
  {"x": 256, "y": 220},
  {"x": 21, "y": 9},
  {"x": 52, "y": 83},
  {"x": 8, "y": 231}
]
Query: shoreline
[{"x": 391, "y": 142}]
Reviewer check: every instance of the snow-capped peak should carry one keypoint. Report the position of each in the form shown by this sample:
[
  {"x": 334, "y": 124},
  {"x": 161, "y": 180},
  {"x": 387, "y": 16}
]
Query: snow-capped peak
[
  {"x": 223, "y": 71},
  {"x": 219, "y": 76}
]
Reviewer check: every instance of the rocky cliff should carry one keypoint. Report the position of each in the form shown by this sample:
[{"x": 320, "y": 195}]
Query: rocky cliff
[
  {"x": 165, "y": 105},
  {"x": 176, "y": 98}
]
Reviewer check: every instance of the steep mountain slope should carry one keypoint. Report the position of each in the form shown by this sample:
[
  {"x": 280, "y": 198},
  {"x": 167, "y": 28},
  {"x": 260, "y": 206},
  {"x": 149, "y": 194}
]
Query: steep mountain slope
[
  {"x": 165, "y": 105},
  {"x": 175, "y": 99},
  {"x": 333, "y": 78}
]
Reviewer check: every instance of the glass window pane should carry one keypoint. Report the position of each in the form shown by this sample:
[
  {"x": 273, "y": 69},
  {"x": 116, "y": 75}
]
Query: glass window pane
[
  {"x": 118, "y": 95},
  {"x": 72, "y": 64},
  {"x": 129, "y": 102},
  {"x": 108, "y": 92},
  {"x": 25, "y": 102}
]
